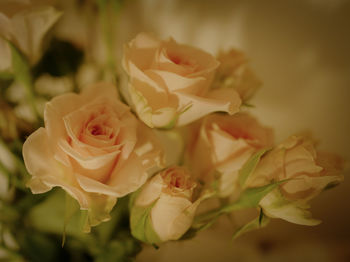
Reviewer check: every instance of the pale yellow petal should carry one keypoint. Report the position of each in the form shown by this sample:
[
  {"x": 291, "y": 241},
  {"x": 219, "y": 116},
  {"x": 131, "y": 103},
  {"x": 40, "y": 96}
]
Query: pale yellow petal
[{"x": 165, "y": 217}]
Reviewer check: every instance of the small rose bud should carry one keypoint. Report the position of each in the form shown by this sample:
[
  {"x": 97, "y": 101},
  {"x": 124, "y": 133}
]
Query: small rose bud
[{"x": 164, "y": 209}]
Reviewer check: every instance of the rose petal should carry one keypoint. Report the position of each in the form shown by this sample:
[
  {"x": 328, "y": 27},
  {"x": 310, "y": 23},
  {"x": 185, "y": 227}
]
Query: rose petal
[
  {"x": 150, "y": 192},
  {"x": 54, "y": 125},
  {"x": 223, "y": 100},
  {"x": 46, "y": 171},
  {"x": 128, "y": 176},
  {"x": 165, "y": 217},
  {"x": 175, "y": 82}
]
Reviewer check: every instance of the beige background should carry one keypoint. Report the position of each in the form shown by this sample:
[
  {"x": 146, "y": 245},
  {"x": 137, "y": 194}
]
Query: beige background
[{"x": 301, "y": 51}]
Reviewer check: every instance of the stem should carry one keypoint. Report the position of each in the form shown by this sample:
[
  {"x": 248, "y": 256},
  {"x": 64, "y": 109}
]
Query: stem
[
  {"x": 23, "y": 75},
  {"x": 107, "y": 33}
]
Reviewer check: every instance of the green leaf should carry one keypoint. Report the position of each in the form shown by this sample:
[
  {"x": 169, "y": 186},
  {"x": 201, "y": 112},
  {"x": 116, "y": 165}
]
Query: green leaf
[
  {"x": 70, "y": 208},
  {"x": 119, "y": 220},
  {"x": 6, "y": 75},
  {"x": 141, "y": 223},
  {"x": 38, "y": 247},
  {"x": 245, "y": 104},
  {"x": 250, "y": 166},
  {"x": 249, "y": 198},
  {"x": 259, "y": 222},
  {"x": 51, "y": 215}
]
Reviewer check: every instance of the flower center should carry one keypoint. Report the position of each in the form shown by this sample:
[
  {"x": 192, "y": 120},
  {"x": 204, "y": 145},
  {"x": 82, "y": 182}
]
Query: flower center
[{"x": 96, "y": 130}]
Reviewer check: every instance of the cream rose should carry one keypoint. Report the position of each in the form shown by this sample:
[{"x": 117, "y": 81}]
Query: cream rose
[
  {"x": 93, "y": 147},
  {"x": 26, "y": 29},
  {"x": 308, "y": 172},
  {"x": 169, "y": 83},
  {"x": 166, "y": 204},
  {"x": 234, "y": 72},
  {"x": 221, "y": 145}
]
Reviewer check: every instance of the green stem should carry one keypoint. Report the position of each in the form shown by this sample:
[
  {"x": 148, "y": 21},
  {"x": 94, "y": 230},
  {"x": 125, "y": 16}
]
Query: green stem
[
  {"x": 107, "y": 32},
  {"x": 23, "y": 76}
]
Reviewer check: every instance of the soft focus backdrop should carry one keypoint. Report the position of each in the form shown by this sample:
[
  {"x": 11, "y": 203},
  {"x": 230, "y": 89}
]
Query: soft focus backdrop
[{"x": 300, "y": 50}]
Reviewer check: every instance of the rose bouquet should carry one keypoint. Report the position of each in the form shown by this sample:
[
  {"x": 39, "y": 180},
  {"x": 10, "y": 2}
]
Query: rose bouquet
[{"x": 155, "y": 152}]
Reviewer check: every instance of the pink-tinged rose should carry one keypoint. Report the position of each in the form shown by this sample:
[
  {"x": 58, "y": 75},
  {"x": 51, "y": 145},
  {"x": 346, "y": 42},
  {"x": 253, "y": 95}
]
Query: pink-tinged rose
[
  {"x": 221, "y": 145},
  {"x": 234, "y": 72},
  {"x": 166, "y": 201},
  {"x": 307, "y": 172},
  {"x": 169, "y": 83},
  {"x": 93, "y": 147}
]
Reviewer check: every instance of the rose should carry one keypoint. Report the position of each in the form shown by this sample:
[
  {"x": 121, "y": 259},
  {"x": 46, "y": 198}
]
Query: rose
[
  {"x": 220, "y": 146},
  {"x": 164, "y": 209},
  {"x": 92, "y": 147},
  {"x": 26, "y": 29},
  {"x": 234, "y": 72},
  {"x": 169, "y": 83},
  {"x": 307, "y": 172}
]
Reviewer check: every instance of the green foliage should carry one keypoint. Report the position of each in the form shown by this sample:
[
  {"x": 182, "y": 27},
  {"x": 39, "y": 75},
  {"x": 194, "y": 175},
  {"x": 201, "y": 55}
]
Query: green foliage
[
  {"x": 259, "y": 222},
  {"x": 250, "y": 198},
  {"x": 141, "y": 223},
  {"x": 249, "y": 167}
]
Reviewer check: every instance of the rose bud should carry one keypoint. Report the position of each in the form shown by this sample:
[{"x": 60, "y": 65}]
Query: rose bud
[
  {"x": 307, "y": 172},
  {"x": 163, "y": 209},
  {"x": 234, "y": 72}
]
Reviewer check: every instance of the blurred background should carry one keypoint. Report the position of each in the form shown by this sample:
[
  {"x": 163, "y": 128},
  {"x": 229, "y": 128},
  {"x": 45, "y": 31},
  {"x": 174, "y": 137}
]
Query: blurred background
[{"x": 300, "y": 49}]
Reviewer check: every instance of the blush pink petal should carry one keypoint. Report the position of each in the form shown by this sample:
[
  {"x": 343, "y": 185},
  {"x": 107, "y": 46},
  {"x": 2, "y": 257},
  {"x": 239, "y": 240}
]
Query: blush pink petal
[
  {"x": 46, "y": 171},
  {"x": 174, "y": 82},
  {"x": 54, "y": 112},
  {"x": 128, "y": 176},
  {"x": 225, "y": 145},
  {"x": 194, "y": 107}
]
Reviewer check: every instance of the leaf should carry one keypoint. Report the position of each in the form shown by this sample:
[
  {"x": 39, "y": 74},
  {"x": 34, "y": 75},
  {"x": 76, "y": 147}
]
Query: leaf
[
  {"x": 259, "y": 222},
  {"x": 141, "y": 223},
  {"x": 49, "y": 215},
  {"x": 250, "y": 166},
  {"x": 6, "y": 75},
  {"x": 38, "y": 247},
  {"x": 70, "y": 209},
  {"x": 251, "y": 197},
  {"x": 245, "y": 104},
  {"x": 119, "y": 218}
]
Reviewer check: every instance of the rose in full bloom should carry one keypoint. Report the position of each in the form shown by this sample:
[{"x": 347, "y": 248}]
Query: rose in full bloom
[
  {"x": 93, "y": 147},
  {"x": 26, "y": 29},
  {"x": 234, "y": 72},
  {"x": 169, "y": 83},
  {"x": 307, "y": 172},
  {"x": 221, "y": 145},
  {"x": 164, "y": 208}
]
